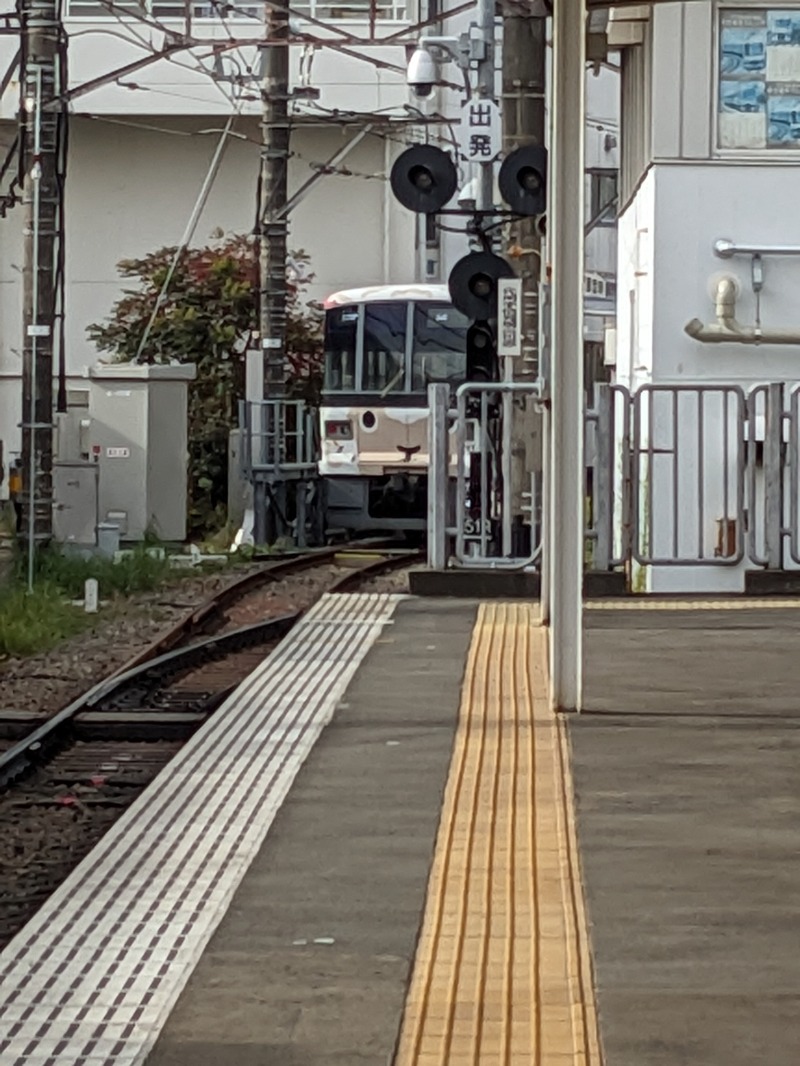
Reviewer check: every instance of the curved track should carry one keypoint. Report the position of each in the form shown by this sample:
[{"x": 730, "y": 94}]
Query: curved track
[{"x": 67, "y": 781}]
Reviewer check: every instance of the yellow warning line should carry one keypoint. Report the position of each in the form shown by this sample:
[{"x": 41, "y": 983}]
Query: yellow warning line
[
  {"x": 502, "y": 974},
  {"x": 652, "y": 603}
]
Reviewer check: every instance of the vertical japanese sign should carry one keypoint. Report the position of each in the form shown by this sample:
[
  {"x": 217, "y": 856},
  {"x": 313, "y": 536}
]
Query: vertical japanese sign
[
  {"x": 759, "y": 78},
  {"x": 481, "y": 132},
  {"x": 509, "y": 313}
]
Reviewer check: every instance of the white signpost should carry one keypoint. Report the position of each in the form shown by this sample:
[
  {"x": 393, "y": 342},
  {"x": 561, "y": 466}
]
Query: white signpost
[
  {"x": 509, "y": 302},
  {"x": 481, "y": 130}
]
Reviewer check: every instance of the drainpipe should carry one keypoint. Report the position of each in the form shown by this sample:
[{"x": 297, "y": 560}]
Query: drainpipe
[{"x": 726, "y": 330}]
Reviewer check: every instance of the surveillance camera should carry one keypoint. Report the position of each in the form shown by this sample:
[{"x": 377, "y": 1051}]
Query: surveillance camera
[{"x": 422, "y": 74}]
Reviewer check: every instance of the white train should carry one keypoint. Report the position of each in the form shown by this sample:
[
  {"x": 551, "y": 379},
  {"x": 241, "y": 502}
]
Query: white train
[{"x": 383, "y": 346}]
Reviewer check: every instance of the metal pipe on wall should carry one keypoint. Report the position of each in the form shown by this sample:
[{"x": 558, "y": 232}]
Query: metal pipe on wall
[{"x": 726, "y": 329}]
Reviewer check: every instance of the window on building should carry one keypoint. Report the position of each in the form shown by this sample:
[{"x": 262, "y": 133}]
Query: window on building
[{"x": 604, "y": 190}]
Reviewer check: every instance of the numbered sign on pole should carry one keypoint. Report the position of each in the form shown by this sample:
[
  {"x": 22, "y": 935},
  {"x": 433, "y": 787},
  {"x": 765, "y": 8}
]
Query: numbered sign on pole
[
  {"x": 509, "y": 316},
  {"x": 481, "y": 130}
]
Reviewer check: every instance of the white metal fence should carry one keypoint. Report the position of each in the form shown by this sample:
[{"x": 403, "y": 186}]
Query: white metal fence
[
  {"x": 694, "y": 475},
  {"x": 677, "y": 476}
]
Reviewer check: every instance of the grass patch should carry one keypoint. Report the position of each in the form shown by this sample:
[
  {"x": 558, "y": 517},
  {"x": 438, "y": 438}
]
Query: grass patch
[
  {"x": 33, "y": 622},
  {"x": 141, "y": 571},
  {"x": 36, "y": 621}
]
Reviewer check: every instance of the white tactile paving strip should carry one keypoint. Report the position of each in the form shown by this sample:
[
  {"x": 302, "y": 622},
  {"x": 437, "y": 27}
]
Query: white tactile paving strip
[{"x": 93, "y": 977}]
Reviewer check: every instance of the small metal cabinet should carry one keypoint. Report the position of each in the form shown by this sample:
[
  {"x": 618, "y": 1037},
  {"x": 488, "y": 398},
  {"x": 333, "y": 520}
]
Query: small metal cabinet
[{"x": 75, "y": 502}]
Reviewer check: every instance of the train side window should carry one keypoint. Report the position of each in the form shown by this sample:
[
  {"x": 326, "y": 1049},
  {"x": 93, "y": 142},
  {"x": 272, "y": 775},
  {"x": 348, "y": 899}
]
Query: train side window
[
  {"x": 439, "y": 350},
  {"x": 384, "y": 365},
  {"x": 341, "y": 333}
]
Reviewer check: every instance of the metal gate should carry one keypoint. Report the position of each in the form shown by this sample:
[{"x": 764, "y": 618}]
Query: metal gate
[
  {"x": 693, "y": 475},
  {"x": 676, "y": 476}
]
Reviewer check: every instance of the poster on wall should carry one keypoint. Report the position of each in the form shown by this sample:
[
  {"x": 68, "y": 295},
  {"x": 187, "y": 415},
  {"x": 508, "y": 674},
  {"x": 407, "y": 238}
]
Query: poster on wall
[{"x": 759, "y": 78}]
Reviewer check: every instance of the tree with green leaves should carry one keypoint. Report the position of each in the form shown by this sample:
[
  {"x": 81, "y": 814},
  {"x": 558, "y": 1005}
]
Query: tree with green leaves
[{"x": 205, "y": 317}]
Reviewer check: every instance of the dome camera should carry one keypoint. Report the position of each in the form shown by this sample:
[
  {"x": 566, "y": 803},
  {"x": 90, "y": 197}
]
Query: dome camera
[{"x": 422, "y": 74}]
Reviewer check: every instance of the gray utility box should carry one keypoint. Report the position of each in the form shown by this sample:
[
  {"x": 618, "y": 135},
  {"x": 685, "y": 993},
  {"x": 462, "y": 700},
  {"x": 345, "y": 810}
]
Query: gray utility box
[
  {"x": 75, "y": 503},
  {"x": 139, "y": 436}
]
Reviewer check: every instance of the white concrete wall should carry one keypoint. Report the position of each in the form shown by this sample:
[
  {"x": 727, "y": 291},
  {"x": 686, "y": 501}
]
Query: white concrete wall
[
  {"x": 695, "y": 205},
  {"x": 131, "y": 191},
  {"x": 636, "y": 288},
  {"x": 182, "y": 85},
  {"x": 694, "y": 194}
]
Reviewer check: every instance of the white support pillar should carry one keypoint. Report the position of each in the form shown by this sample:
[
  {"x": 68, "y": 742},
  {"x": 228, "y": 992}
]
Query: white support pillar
[{"x": 567, "y": 483}]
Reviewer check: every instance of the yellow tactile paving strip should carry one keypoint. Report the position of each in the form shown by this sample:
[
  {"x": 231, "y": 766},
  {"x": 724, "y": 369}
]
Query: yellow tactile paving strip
[
  {"x": 652, "y": 603},
  {"x": 503, "y": 974}
]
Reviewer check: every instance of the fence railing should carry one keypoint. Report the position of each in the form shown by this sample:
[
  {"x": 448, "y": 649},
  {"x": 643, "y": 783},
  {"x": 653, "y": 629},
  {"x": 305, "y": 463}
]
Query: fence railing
[
  {"x": 476, "y": 516},
  {"x": 712, "y": 475},
  {"x": 676, "y": 476},
  {"x": 279, "y": 437}
]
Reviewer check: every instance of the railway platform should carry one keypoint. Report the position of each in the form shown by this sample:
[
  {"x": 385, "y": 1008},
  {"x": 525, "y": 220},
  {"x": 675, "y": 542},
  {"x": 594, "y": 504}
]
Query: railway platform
[{"x": 383, "y": 848}]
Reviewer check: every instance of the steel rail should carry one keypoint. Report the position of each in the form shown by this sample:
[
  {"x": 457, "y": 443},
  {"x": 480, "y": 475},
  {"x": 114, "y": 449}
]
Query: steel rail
[{"x": 28, "y": 753}]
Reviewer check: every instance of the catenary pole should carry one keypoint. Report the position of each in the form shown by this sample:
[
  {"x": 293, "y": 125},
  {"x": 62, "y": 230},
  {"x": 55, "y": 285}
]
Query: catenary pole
[
  {"x": 41, "y": 197},
  {"x": 272, "y": 231},
  {"x": 567, "y": 208}
]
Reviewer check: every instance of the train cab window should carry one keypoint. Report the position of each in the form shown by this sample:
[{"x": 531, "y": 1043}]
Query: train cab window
[
  {"x": 341, "y": 335},
  {"x": 439, "y": 351},
  {"x": 384, "y": 364}
]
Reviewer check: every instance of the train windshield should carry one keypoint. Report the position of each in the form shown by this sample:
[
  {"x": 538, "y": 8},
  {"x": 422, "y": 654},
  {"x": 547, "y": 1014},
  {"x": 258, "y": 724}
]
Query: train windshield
[
  {"x": 439, "y": 349},
  {"x": 367, "y": 347},
  {"x": 384, "y": 367},
  {"x": 341, "y": 337}
]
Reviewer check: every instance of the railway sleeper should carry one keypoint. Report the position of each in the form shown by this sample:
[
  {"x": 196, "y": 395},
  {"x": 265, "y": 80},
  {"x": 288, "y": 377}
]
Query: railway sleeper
[{"x": 136, "y": 724}]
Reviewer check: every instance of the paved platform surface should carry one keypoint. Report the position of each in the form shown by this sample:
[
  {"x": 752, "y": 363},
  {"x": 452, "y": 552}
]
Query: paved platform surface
[
  {"x": 311, "y": 963},
  {"x": 688, "y": 799},
  {"x": 367, "y": 929}
]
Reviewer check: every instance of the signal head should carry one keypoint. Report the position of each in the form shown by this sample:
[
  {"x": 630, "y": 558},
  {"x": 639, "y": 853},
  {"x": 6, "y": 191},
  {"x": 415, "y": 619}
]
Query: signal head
[
  {"x": 424, "y": 178},
  {"x": 473, "y": 284},
  {"x": 523, "y": 179}
]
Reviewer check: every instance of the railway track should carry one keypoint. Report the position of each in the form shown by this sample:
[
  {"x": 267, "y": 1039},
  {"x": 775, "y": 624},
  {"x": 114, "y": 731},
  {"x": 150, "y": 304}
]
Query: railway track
[{"x": 65, "y": 780}]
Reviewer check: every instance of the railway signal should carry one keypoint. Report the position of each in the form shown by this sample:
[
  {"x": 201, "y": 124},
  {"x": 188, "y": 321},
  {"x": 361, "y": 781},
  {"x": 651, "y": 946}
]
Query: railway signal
[
  {"x": 523, "y": 179},
  {"x": 481, "y": 353},
  {"x": 424, "y": 178},
  {"x": 473, "y": 284}
]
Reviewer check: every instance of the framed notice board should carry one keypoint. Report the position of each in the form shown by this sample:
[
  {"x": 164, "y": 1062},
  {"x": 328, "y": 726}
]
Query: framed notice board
[{"x": 758, "y": 65}]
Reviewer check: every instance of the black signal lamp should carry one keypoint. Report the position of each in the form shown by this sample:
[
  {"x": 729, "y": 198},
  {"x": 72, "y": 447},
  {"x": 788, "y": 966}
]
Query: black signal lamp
[
  {"x": 473, "y": 284},
  {"x": 523, "y": 179},
  {"x": 424, "y": 178},
  {"x": 481, "y": 355}
]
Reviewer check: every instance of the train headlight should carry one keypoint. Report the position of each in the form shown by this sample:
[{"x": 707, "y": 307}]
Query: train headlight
[{"x": 338, "y": 430}]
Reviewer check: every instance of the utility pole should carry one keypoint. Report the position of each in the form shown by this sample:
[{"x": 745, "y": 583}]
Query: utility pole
[
  {"x": 41, "y": 33},
  {"x": 524, "y": 121},
  {"x": 272, "y": 230},
  {"x": 273, "y": 225}
]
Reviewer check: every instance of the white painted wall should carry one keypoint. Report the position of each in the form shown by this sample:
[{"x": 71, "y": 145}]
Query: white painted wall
[
  {"x": 636, "y": 288},
  {"x": 131, "y": 190},
  {"x": 693, "y": 194},
  {"x": 181, "y": 85}
]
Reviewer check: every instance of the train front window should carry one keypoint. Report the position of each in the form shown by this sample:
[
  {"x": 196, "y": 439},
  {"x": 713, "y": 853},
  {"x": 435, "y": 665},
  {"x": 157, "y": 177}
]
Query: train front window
[
  {"x": 341, "y": 333},
  {"x": 440, "y": 344},
  {"x": 384, "y": 365}
]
